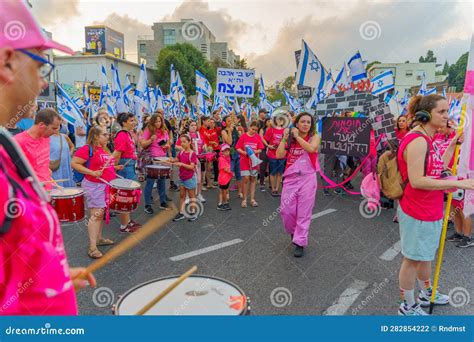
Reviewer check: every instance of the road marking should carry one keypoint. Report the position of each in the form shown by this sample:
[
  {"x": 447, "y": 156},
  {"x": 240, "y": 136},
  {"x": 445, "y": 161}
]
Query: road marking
[
  {"x": 322, "y": 213},
  {"x": 205, "y": 250},
  {"x": 392, "y": 252},
  {"x": 346, "y": 299}
]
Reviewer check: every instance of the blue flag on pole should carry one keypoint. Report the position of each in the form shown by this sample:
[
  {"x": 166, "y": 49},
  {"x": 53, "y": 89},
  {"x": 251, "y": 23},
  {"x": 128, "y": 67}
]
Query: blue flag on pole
[
  {"x": 311, "y": 72},
  {"x": 382, "y": 82},
  {"x": 356, "y": 67}
]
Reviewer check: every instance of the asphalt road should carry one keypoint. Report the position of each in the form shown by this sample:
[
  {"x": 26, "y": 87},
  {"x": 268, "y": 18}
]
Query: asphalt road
[{"x": 350, "y": 266}]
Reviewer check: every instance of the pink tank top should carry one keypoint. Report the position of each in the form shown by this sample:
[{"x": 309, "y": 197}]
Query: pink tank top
[{"x": 423, "y": 205}]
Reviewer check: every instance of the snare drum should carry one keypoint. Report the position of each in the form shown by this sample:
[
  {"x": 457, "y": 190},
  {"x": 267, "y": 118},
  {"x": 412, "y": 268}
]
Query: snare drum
[
  {"x": 158, "y": 171},
  {"x": 69, "y": 204},
  {"x": 196, "y": 295},
  {"x": 124, "y": 195}
]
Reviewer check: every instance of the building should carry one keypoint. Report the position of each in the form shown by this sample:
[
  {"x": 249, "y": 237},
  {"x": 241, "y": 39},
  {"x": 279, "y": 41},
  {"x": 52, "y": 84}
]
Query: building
[
  {"x": 189, "y": 31},
  {"x": 72, "y": 71},
  {"x": 47, "y": 96}
]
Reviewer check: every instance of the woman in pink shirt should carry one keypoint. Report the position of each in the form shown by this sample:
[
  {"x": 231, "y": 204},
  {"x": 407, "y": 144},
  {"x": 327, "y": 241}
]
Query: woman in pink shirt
[
  {"x": 100, "y": 164},
  {"x": 421, "y": 210},
  {"x": 155, "y": 139},
  {"x": 273, "y": 137},
  {"x": 251, "y": 140}
]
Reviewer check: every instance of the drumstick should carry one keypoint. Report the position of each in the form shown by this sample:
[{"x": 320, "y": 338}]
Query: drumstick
[
  {"x": 57, "y": 185},
  {"x": 57, "y": 180},
  {"x": 151, "y": 226},
  {"x": 170, "y": 288}
]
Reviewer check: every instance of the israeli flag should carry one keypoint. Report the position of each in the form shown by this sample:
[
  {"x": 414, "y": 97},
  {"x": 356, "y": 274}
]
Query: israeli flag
[
  {"x": 290, "y": 100},
  {"x": 422, "y": 90},
  {"x": 356, "y": 67},
  {"x": 201, "y": 104},
  {"x": 142, "y": 96},
  {"x": 117, "y": 92},
  {"x": 443, "y": 94},
  {"x": 202, "y": 84},
  {"x": 68, "y": 109},
  {"x": 341, "y": 81},
  {"x": 430, "y": 91},
  {"x": 261, "y": 89},
  {"x": 311, "y": 72},
  {"x": 382, "y": 82},
  {"x": 404, "y": 101},
  {"x": 85, "y": 96},
  {"x": 236, "y": 106},
  {"x": 126, "y": 90}
]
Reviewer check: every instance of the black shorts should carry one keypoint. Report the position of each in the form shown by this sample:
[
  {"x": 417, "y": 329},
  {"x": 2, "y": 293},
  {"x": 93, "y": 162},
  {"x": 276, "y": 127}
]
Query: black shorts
[{"x": 224, "y": 187}]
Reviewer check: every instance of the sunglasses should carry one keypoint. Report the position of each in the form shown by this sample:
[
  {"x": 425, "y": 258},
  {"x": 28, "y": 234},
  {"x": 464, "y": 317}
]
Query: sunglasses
[{"x": 46, "y": 68}]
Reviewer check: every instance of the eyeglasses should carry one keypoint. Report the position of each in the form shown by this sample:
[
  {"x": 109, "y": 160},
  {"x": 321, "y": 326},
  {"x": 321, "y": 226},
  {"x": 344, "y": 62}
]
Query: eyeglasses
[{"x": 46, "y": 68}]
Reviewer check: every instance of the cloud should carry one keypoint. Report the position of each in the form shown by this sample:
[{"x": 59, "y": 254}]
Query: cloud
[{"x": 52, "y": 12}]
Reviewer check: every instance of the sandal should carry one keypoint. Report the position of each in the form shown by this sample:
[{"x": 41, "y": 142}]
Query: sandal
[
  {"x": 243, "y": 204},
  {"x": 254, "y": 203},
  {"x": 241, "y": 195},
  {"x": 95, "y": 254},
  {"x": 105, "y": 242}
]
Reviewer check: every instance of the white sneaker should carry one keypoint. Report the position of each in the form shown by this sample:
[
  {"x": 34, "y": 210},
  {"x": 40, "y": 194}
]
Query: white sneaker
[
  {"x": 415, "y": 310},
  {"x": 201, "y": 199},
  {"x": 186, "y": 201},
  {"x": 425, "y": 299}
]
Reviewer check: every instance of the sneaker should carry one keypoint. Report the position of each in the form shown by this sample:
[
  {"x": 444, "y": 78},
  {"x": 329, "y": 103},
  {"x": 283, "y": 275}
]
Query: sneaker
[
  {"x": 178, "y": 217},
  {"x": 173, "y": 187},
  {"x": 164, "y": 205},
  {"x": 299, "y": 251},
  {"x": 215, "y": 183},
  {"x": 455, "y": 237},
  {"x": 134, "y": 224},
  {"x": 193, "y": 218},
  {"x": 128, "y": 229},
  {"x": 186, "y": 201},
  {"x": 149, "y": 210},
  {"x": 226, "y": 206},
  {"x": 220, "y": 207},
  {"x": 415, "y": 310},
  {"x": 201, "y": 199},
  {"x": 425, "y": 298},
  {"x": 262, "y": 188},
  {"x": 325, "y": 192},
  {"x": 466, "y": 242}
]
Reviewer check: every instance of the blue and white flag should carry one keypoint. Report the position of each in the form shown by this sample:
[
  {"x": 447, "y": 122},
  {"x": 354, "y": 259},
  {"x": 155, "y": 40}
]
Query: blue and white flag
[
  {"x": 311, "y": 72},
  {"x": 422, "y": 90},
  {"x": 201, "y": 104},
  {"x": 382, "y": 82},
  {"x": 291, "y": 101},
  {"x": 430, "y": 91},
  {"x": 356, "y": 67},
  {"x": 261, "y": 90},
  {"x": 106, "y": 94},
  {"x": 236, "y": 107},
  {"x": 85, "y": 95},
  {"x": 117, "y": 92},
  {"x": 126, "y": 90},
  {"x": 443, "y": 94},
  {"x": 404, "y": 101},
  {"x": 142, "y": 96},
  {"x": 341, "y": 79},
  {"x": 68, "y": 109},
  {"x": 202, "y": 84},
  {"x": 176, "y": 87}
]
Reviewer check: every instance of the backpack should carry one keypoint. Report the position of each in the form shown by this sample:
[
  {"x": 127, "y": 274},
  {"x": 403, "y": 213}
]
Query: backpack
[
  {"x": 390, "y": 178},
  {"x": 76, "y": 175}
]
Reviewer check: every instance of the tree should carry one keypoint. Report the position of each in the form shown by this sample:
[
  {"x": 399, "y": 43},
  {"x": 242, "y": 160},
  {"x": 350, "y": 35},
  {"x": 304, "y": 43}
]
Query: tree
[
  {"x": 288, "y": 83},
  {"x": 457, "y": 73},
  {"x": 430, "y": 58},
  {"x": 445, "y": 68},
  {"x": 241, "y": 64},
  {"x": 369, "y": 65}
]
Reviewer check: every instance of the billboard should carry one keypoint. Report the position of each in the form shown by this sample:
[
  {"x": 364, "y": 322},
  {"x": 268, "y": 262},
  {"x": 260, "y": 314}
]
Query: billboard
[{"x": 101, "y": 40}]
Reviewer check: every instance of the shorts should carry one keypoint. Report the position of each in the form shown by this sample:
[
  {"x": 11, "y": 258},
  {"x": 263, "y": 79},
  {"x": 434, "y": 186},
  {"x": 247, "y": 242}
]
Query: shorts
[
  {"x": 235, "y": 165},
  {"x": 189, "y": 184},
  {"x": 277, "y": 166},
  {"x": 128, "y": 171},
  {"x": 94, "y": 194},
  {"x": 249, "y": 173},
  {"x": 419, "y": 239},
  {"x": 224, "y": 187}
]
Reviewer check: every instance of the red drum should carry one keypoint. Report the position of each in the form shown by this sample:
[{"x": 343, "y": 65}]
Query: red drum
[
  {"x": 158, "y": 171},
  {"x": 69, "y": 204},
  {"x": 124, "y": 195}
]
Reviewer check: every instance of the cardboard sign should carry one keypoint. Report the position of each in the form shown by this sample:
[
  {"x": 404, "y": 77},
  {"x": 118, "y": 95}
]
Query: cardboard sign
[{"x": 235, "y": 82}]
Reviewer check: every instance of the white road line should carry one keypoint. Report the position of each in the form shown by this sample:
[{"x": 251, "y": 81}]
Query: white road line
[
  {"x": 392, "y": 252},
  {"x": 322, "y": 213},
  {"x": 205, "y": 250},
  {"x": 346, "y": 299}
]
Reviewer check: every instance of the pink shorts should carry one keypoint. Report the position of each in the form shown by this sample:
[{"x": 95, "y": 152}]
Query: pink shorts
[{"x": 94, "y": 193}]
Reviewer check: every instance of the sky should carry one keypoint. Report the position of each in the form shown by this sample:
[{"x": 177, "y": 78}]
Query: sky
[{"x": 267, "y": 33}]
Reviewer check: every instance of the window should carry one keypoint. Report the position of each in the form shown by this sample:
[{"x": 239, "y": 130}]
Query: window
[
  {"x": 224, "y": 55},
  {"x": 409, "y": 73},
  {"x": 204, "y": 48},
  {"x": 170, "y": 37},
  {"x": 143, "y": 48}
]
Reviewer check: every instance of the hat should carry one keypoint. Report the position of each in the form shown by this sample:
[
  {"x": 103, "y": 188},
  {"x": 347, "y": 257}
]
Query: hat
[
  {"x": 225, "y": 147},
  {"x": 21, "y": 30}
]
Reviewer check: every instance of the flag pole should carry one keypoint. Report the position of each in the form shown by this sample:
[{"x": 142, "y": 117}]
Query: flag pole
[{"x": 439, "y": 260}]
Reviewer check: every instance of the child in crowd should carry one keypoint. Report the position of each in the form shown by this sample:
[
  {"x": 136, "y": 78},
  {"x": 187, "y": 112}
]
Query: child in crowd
[{"x": 225, "y": 176}]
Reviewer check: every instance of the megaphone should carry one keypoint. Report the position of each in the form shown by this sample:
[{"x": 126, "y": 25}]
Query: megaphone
[{"x": 254, "y": 160}]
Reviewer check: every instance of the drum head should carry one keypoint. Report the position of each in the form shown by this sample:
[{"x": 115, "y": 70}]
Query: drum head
[
  {"x": 159, "y": 167},
  {"x": 196, "y": 295},
  {"x": 122, "y": 183},
  {"x": 66, "y": 192}
]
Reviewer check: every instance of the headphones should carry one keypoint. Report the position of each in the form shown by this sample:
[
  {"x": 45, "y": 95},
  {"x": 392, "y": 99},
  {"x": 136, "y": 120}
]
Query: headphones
[{"x": 423, "y": 116}]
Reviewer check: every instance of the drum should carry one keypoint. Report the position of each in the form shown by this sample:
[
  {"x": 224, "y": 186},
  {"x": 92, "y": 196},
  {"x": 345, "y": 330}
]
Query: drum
[
  {"x": 124, "y": 195},
  {"x": 158, "y": 171},
  {"x": 196, "y": 295},
  {"x": 69, "y": 204}
]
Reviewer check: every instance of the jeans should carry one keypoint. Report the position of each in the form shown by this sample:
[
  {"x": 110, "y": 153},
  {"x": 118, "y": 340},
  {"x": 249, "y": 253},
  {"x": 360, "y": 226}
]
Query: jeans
[
  {"x": 235, "y": 165},
  {"x": 149, "y": 188},
  {"x": 128, "y": 171}
]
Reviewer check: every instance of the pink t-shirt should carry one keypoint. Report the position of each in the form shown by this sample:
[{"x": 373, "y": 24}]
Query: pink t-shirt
[
  {"x": 34, "y": 272},
  {"x": 155, "y": 149},
  {"x": 37, "y": 153},
  {"x": 99, "y": 159},
  {"x": 296, "y": 151},
  {"x": 124, "y": 143},
  {"x": 224, "y": 177},
  {"x": 196, "y": 142},
  {"x": 186, "y": 158},
  {"x": 254, "y": 142},
  {"x": 423, "y": 205},
  {"x": 273, "y": 137}
]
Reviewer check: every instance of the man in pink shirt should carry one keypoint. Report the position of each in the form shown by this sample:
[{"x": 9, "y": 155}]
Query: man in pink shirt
[{"x": 35, "y": 143}]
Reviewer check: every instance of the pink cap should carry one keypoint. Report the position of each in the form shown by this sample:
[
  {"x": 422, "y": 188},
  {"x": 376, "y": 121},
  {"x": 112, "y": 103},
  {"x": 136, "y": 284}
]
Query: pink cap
[
  {"x": 20, "y": 30},
  {"x": 224, "y": 147}
]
